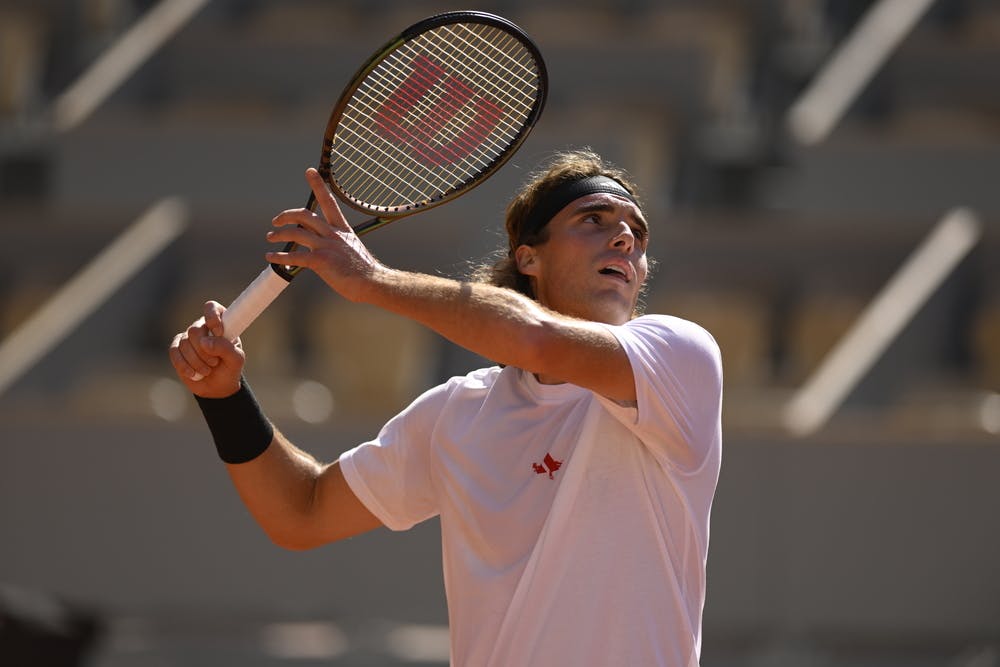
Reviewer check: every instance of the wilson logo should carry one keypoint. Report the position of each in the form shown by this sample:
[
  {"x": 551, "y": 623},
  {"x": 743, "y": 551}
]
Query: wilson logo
[
  {"x": 427, "y": 114},
  {"x": 548, "y": 465}
]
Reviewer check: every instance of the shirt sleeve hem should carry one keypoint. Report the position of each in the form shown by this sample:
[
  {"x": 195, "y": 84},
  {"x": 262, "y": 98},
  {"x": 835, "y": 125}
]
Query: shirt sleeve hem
[{"x": 364, "y": 493}]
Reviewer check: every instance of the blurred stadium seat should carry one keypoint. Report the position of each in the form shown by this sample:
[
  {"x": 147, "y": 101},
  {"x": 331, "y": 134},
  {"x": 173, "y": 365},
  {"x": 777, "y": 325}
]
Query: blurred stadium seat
[
  {"x": 817, "y": 321},
  {"x": 986, "y": 344},
  {"x": 741, "y": 323},
  {"x": 374, "y": 362}
]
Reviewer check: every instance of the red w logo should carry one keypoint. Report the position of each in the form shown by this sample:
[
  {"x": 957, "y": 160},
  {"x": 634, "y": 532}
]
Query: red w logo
[
  {"x": 550, "y": 466},
  {"x": 405, "y": 118}
]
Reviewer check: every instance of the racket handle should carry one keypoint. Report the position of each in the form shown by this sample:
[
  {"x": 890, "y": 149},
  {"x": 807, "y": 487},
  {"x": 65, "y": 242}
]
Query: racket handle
[{"x": 252, "y": 302}]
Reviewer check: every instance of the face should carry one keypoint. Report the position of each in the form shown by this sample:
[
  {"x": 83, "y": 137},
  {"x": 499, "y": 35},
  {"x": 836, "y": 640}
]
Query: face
[{"x": 593, "y": 263}]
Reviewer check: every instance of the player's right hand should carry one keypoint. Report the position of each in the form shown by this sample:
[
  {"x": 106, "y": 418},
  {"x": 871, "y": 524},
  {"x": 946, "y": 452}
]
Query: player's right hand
[
  {"x": 207, "y": 362},
  {"x": 325, "y": 243}
]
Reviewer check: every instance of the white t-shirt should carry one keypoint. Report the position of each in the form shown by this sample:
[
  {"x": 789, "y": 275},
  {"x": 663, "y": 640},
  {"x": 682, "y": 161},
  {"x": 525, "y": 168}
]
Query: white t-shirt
[{"x": 574, "y": 529}]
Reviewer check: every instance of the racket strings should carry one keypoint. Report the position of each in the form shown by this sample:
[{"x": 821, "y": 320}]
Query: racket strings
[
  {"x": 377, "y": 166},
  {"x": 483, "y": 69},
  {"x": 490, "y": 70},
  {"x": 466, "y": 115},
  {"x": 446, "y": 134},
  {"x": 426, "y": 106},
  {"x": 375, "y": 162},
  {"x": 433, "y": 115},
  {"x": 512, "y": 50}
]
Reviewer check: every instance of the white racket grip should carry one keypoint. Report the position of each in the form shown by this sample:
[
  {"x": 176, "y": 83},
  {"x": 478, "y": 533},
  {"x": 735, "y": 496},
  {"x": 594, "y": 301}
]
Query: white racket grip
[{"x": 252, "y": 302}]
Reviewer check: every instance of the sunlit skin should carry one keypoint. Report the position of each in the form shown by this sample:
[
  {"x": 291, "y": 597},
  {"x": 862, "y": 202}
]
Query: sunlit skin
[
  {"x": 588, "y": 271},
  {"x": 593, "y": 262},
  {"x": 645, "y": 433}
]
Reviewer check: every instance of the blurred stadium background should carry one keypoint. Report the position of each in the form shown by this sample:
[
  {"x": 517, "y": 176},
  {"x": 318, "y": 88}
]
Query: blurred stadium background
[{"x": 861, "y": 533}]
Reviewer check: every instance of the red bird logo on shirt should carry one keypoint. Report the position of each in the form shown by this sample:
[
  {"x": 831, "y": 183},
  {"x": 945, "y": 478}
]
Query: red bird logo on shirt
[{"x": 550, "y": 466}]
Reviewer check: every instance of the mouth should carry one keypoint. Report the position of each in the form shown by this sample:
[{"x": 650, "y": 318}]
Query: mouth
[{"x": 616, "y": 271}]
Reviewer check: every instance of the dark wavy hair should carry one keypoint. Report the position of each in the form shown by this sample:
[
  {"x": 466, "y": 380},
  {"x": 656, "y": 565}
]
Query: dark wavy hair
[{"x": 500, "y": 268}]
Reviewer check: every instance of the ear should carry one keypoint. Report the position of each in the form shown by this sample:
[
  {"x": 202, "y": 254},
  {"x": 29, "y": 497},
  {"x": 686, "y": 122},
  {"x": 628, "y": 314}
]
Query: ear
[{"x": 527, "y": 260}]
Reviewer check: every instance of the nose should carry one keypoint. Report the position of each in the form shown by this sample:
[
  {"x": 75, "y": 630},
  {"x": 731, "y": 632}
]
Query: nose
[{"x": 624, "y": 237}]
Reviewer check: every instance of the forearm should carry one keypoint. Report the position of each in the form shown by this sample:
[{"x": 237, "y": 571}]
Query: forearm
[
  {"x": 496, "y": 323},
  {"x": 279, "y": 489},
  {"x": 297, "y": 501},
  {"x": 508, "y": 328}
]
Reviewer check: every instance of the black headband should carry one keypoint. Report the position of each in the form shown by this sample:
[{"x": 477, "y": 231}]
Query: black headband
[{"x": 558, "y": 197}]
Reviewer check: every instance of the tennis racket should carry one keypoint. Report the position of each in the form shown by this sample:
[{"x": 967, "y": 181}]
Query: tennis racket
[{"x": 434, "y": 113}]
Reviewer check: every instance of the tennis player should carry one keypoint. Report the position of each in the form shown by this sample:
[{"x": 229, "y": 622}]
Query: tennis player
[{"x": 573, "y": 480}]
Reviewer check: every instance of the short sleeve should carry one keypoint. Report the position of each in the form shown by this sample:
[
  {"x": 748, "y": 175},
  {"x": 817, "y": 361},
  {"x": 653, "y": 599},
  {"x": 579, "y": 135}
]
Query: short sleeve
[
  {"x": 391, "y": 474},
  {"x": 678, "y": 378}
]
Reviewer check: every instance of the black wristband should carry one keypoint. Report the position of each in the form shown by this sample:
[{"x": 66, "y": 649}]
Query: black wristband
[{"x": 239, "y": 427}]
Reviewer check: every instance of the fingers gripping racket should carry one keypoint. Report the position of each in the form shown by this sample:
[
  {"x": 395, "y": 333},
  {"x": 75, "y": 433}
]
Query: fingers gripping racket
[{"x": 431, "y": 115}]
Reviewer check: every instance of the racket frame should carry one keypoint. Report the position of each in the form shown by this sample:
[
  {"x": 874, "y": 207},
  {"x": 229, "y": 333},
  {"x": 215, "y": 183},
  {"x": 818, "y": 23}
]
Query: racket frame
[
  {"x": 275, "y": 277},
  {"x": 382, "y": 217}
]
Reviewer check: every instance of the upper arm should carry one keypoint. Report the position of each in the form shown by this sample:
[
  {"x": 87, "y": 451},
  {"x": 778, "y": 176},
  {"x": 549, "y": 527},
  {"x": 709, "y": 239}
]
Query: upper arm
[
  {"x": 382, "y": 482},
  {"x": 299, "y": 503},
  {"x": 583, "y": 353},
  {"x": 338, "y": 512},
  {"x": 333, "y": 513}
]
